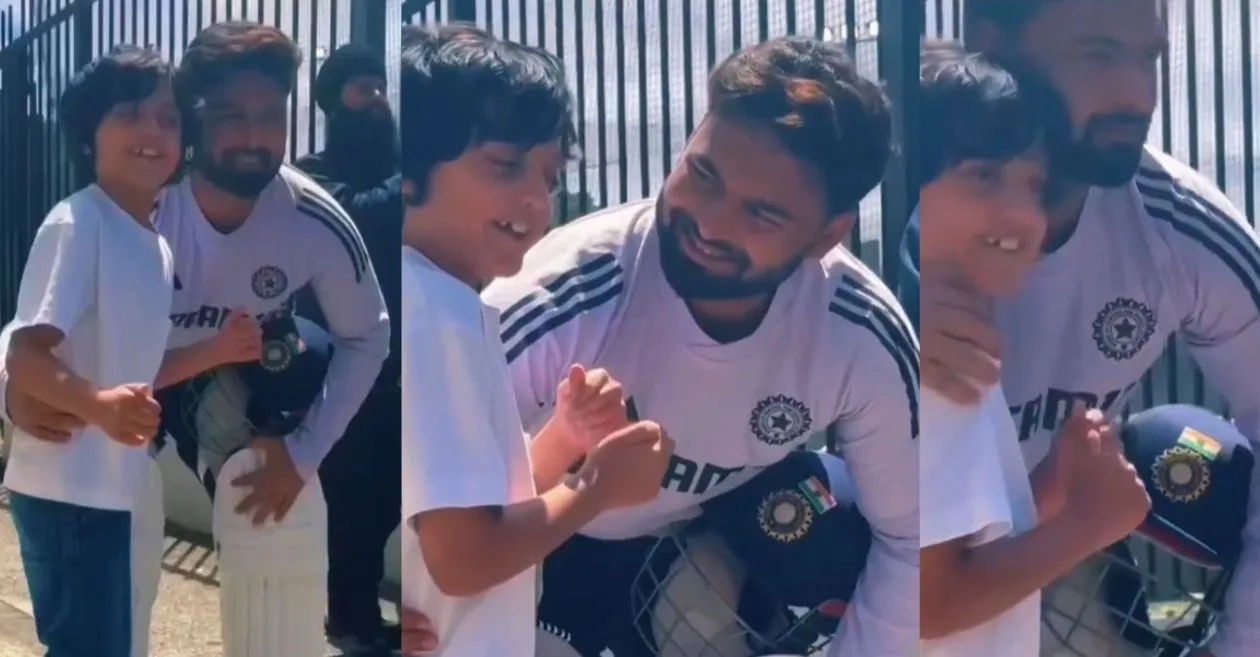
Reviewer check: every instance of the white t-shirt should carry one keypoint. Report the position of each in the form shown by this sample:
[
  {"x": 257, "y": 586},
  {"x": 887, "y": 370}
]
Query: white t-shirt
[
  {"x": 835, "y": 352},
  {"x": 973, "y": 482},
  {"x": 85, "y": 244},
  {"x": 462, "y": 447}
]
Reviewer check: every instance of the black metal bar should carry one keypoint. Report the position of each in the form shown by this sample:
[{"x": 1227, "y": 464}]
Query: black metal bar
[{"x": 645, "y": 157}]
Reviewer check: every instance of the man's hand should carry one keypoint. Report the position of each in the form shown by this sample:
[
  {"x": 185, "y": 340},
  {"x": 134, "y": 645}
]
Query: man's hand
[
  {"x": 239, "y": 341},
  {"x": 960, "y": 350},
  {"x": 41, "y": 420},
  {"x": 591, "y": 405},
  {"x": 275, "y": 485},
  {"x": 418, "y": 637}
]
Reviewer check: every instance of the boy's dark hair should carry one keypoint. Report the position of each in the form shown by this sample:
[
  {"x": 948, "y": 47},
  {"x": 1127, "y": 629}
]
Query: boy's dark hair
[
  {"x": 822, "y": 110},
  {"x": 225, "y": 49},
  {"x": 971, "y": 109},
  {"x": 125, "y": 74},
  {"x": 461, "y": 87}
]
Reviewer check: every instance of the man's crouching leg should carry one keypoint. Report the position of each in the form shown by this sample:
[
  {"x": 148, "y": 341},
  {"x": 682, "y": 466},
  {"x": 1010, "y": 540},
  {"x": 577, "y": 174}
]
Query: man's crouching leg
[
  {"x": 148, "y": 536},
  {"x": 272, "y": 578}
]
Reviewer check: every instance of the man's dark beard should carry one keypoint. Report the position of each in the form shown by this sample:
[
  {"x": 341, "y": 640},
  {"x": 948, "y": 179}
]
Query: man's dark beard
[
  {"x": 242, "y": 184},
  {"x": 1078, "y": 159},
  {"x": 365, "y": 141},
  {"x": 1082, "y": 159},
  {"x": 692, "y": 282},
  {"x": 1100, "y": 166}
]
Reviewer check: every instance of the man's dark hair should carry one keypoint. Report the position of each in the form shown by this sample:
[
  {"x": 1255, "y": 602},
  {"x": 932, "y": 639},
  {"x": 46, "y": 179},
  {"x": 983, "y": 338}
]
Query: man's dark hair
[
  {"x": 125, "y": 74},
  {"x": 971, "y": 109},
  {"x": 461, "y": 87},
  {"x": 823, "y": 111},
  {"x": 225, "y": 49}
]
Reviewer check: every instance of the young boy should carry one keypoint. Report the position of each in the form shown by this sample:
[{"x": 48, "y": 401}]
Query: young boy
[
  {"x": 89, "y": 338},
  {"x": 991, "y": 538},
  {"x": 487, "y": 127}
]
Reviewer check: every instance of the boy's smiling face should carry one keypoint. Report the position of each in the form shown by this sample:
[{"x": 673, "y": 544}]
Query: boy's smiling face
[
  {"x": 495, "y": 202},
  {"x": 983, "y": 221}
]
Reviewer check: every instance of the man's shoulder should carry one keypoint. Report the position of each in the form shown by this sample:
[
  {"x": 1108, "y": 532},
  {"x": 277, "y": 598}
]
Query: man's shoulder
[
  {"x": 1171, "y": 190},
  {"x": 592, "y": 257},
  {"x": 855, "y": 297},
  {"x": 306, "y": 203}
]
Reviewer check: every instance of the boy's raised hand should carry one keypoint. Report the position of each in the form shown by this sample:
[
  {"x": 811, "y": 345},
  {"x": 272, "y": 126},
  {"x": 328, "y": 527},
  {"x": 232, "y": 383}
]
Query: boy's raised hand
[{"x": 591, "y": 405}]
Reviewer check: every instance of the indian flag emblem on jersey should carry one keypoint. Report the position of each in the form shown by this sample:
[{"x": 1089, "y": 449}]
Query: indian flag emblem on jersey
[
  {"x": 1199, "y": 443},
  {"x": 819, "y": 497}
]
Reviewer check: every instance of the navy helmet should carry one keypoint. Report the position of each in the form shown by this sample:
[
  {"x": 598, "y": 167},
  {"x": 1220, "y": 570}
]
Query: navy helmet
[
  {"x": 1139, "y": 594},
  {"x": 212, "y": 416},
  {"x": 768, "y": 567}
]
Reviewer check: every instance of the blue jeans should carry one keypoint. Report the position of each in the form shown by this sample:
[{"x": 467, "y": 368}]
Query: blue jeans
[{"x": 78, "y": 571}]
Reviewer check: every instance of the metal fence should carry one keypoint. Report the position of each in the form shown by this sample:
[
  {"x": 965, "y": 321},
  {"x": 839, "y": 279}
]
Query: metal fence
[
  {"x": 43, "y": 42},
  {"x": 1206, "y": 118},
  {"x": 638, "y": 70}
]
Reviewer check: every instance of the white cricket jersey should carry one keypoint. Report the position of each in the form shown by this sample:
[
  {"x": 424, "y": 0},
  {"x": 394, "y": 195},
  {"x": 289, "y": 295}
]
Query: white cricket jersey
[
  {"x": 463, "y": 447},
  {"x": 104, "y": 281},
  {"x": 296, "y": 236},
  {"x": 972, "y": 483},
  {"x": 1166, "y": 255},
  {"x": 834, "y": 352}
]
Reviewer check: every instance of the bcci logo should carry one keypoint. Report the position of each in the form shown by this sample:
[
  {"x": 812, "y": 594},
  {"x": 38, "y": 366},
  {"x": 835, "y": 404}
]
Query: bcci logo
[
  {"x": 1182, "y": 475},
  {"x": 1122, "y": 328},
  {"x": 779, "y": 420},
  {"x": 785, "y": 516},
  {"x": 278, "y": 354},
  {"x": 269, "y": 282}
]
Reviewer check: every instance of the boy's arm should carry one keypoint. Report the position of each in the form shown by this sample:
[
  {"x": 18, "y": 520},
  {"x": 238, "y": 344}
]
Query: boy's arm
[
  {"x": 57, "y": 289},
  {"x": 552, "y": 455},
  {"x": 996, "y": 576},
  {"x": 967, "y": 518},
  {"x": 457, "y": 478}
]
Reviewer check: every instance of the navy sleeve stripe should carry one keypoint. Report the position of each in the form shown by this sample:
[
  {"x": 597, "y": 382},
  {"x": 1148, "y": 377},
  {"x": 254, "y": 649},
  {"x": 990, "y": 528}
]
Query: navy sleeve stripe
[
  {"x": 335, "y": 219},
  {"x": 858, "y": 305},
  {"x": 557, "y": 285},
  {"x": 1203, "y": 222},
  {"x": 575, "y": 292},
  {"x": 560, "y": 317}
]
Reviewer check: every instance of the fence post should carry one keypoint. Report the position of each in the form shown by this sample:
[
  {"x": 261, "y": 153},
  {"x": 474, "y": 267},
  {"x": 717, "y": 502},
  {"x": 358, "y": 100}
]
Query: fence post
[
  {"x": 463, "y": 11},
  {"x": 367, "y": 24},
  {"x": 899, "y": 57}
]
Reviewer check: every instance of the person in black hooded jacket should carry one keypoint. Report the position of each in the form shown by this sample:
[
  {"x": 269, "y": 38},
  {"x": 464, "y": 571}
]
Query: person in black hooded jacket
[{"x": 361, "y": 477}]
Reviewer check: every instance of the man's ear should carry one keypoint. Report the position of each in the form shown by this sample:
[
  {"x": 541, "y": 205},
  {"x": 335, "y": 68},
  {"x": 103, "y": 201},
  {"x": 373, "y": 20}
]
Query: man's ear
[{"x": 837, "y": 230}]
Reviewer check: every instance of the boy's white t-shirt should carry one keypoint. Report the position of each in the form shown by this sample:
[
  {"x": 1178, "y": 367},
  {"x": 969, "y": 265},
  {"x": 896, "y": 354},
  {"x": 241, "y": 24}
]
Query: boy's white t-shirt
[
  {"x": 973, "y": 482},
  {"x": 85, "y": 244},
  {"x": 462, "y": 446}
]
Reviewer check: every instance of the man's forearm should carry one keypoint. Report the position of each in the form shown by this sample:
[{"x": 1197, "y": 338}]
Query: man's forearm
[
  {"x": 4, "y": 394},
  {"x": 997, "y": 576},
  {"x": 37, "y": 372},
  {"x": 351, "y": 373}
]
